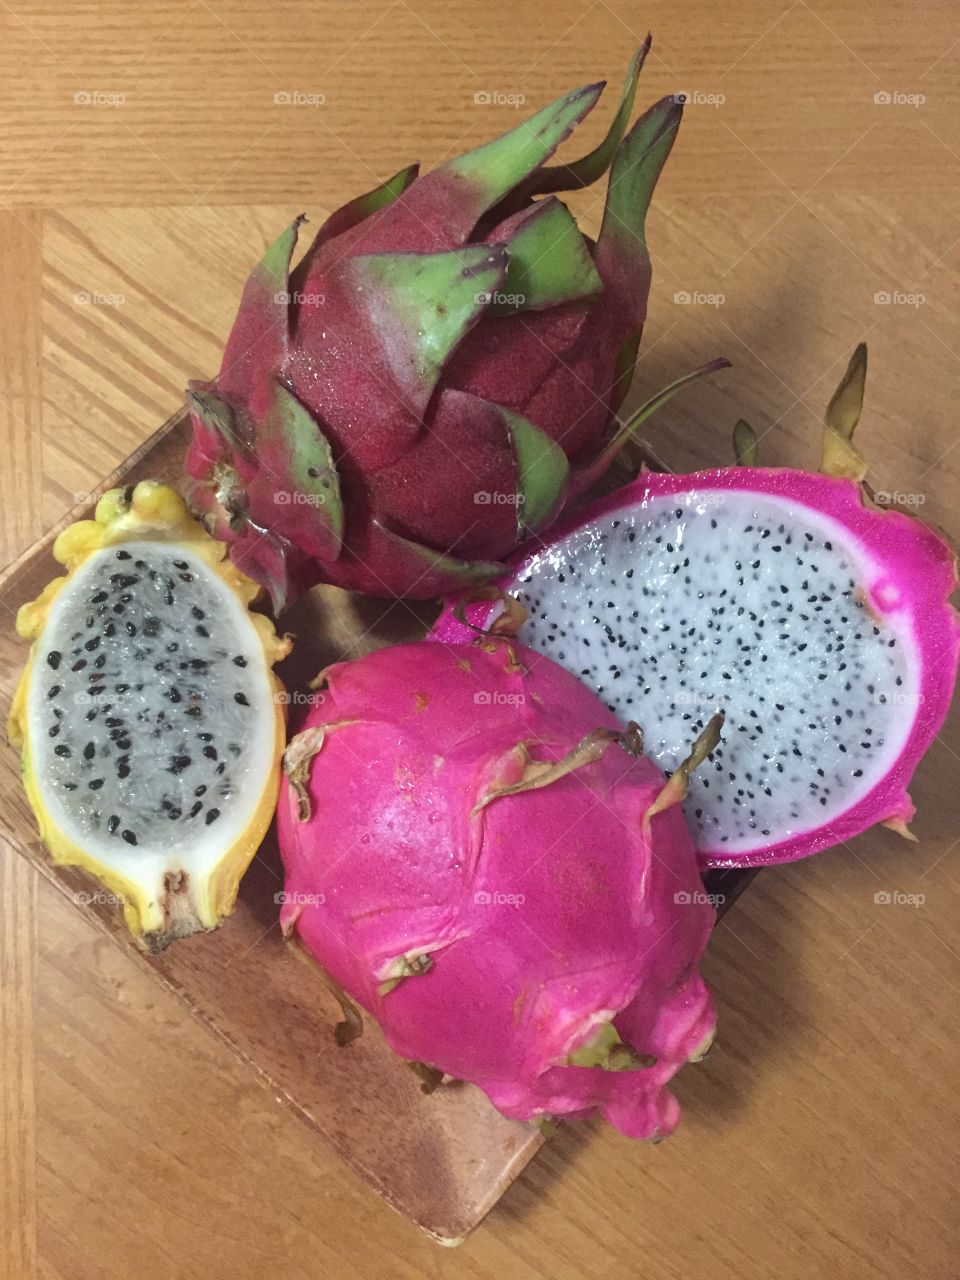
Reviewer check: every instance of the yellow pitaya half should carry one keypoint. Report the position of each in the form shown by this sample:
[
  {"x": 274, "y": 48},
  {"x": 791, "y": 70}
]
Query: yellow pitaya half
[
  {"x": 148, "y": 717},
  {"x": 480, "y": 856},
  {"x": 441, "y": 371}
]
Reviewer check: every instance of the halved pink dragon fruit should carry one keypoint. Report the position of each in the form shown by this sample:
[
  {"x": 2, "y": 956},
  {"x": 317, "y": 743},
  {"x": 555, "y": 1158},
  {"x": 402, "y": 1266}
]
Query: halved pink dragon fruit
[
  {"x": 482, "y": 858},
  {"x": 818, "y": 621}
]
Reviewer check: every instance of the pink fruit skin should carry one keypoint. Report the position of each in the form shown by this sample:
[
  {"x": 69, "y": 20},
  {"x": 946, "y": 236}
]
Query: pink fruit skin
[
  {"x": 910, "y": 573},
  {"x": 546, "y": 913}
]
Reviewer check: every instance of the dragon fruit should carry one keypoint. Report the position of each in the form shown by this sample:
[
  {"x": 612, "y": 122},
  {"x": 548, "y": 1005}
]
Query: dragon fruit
[
  {"x": 148, "y": 717},
  {"x": 817, "y": 620},
  {"x": 480, "y": 856},
  {"x": 440, "y": 372}
]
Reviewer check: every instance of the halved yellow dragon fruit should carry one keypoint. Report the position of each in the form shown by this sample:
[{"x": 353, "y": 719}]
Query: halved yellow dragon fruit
[{"x": 148, "y": 716}]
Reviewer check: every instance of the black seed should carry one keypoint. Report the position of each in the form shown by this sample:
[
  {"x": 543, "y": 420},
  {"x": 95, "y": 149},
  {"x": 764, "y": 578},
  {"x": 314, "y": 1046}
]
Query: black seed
[
  {"x": 212, "y": 816},
  {"x": 92, "y": 643},
  {"x": 210, "y": 753},
  {"x": 63, "y": 751},
  {"x": 129, "y": 836},
  {"x": 53, "y": 730},
  {"x": 121, "y": 688},
  {"x": 89, "y": 751},
  {"x": 200, "y": 791},
  {"x": 53, "y": 690},
  {"x": 131, "y": 629},
  {"x": 202, "y": 631},
  {"x": 241, "y": 698},
  {"x": 180, "y": 564},
  {"x": 79, "y": 664},
  {"x": 124, "y": 555},
  {"x": 196, "y": 809},
  {"x": 99, "y": 597},
  {"x": 174, "y": 694},
  {"x": 123, "y": 771},
  {"x": 95, "y": 784},
  {"x": 198, "y": 612},
  {"x": 112, "y": 823},
  {"x": 239, "y": 660}
]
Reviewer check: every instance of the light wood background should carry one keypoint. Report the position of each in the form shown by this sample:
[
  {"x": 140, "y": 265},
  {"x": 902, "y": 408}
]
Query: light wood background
[{"x": 820, "y": 1137}]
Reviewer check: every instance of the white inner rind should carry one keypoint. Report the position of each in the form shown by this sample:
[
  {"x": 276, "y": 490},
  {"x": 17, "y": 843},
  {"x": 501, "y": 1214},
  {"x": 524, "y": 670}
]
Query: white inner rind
[
  {"x": 140, "y": 720},
  {"x": 746, "y": 603}
]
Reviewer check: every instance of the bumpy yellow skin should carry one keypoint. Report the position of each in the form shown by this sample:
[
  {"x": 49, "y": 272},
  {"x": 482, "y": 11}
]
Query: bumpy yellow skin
[{"x": 155, "y": 512}]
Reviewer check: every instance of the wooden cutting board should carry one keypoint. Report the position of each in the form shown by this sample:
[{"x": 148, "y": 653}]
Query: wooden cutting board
[{"x": 441, "y": 1160}]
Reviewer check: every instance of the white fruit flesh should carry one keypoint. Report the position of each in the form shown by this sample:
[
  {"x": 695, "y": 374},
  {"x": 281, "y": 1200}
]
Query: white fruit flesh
[
  {"x": 154, "y": 754},
  {"x": 673, "y": 614}
]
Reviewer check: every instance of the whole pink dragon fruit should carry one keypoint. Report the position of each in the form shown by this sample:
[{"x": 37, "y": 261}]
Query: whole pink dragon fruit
[
  {"x": 483, "y": 859},
  {"x": 439, "y": 374}
]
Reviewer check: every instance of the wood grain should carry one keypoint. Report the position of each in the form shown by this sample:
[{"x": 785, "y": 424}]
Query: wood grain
[
  {"x": 18, "y": 1155},
  {"x": 819, "y": 1137}
]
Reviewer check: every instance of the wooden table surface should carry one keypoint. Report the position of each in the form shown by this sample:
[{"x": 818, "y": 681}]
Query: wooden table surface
[{"x": 813, "y": 200}]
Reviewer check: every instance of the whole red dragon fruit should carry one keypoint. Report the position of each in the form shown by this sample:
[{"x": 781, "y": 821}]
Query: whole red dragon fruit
[{"x": 440, "y": 374}]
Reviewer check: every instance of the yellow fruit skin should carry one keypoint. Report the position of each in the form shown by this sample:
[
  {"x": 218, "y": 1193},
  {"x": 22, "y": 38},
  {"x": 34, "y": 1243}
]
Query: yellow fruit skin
[{"x": 156, "y": 512}]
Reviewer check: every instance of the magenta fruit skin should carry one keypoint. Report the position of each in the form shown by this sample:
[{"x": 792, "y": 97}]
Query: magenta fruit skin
[
  {"x": 911, "y": 573},
  {"x": 546, "y": 913}
]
